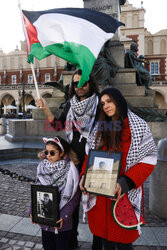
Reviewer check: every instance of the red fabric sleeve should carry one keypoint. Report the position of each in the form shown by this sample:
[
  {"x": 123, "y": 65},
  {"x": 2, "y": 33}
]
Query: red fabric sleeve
[
  {"x": 83, "y": 166},
  {"x": 139, "y": 173}
]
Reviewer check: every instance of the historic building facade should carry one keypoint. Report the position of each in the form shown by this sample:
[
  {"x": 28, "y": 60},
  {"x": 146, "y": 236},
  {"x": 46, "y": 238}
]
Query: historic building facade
[
  {"x": 16, "y": 79},
  {"x": 152, "y": 46}
]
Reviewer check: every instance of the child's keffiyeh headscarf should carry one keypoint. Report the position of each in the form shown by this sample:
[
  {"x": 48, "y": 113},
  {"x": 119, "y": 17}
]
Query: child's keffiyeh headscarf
[{"x": 62, "y": 174}]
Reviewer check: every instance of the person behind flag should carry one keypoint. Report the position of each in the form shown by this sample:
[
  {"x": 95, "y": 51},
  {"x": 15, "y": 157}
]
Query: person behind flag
[
  {"x": 77, "y": 118},
  {"x": 58, "y": 168},
  {"x": 139, "y": 155},
  {"x": 78, "y": 114}
]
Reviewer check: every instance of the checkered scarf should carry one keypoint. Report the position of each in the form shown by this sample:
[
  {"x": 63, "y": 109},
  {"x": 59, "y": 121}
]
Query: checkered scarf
[
  {"x": 142, "y": 149},
  {"x": 82, "y": 114},
  {"x": 62, "y": 174}
]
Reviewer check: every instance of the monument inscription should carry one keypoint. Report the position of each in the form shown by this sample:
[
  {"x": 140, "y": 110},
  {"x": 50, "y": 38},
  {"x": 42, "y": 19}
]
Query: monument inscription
[{"x": 109, "y": 7}]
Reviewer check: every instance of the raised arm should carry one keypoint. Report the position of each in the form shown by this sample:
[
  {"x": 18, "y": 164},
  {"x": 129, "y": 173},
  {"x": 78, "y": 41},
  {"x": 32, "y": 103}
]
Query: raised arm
[{"x": 42, "y": 105}]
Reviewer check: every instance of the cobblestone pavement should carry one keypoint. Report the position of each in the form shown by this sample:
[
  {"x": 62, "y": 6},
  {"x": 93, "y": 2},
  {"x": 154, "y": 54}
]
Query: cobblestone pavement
[
  {"x": 15, "y": 200},
  {"x": 14, "y": 194}
]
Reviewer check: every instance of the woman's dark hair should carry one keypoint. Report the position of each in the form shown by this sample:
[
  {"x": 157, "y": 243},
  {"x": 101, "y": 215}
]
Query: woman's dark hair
[
  {"x": 67, "y": 149},
  {"x": 111, "y": 136},
  {"x": 93, "y": 85}
]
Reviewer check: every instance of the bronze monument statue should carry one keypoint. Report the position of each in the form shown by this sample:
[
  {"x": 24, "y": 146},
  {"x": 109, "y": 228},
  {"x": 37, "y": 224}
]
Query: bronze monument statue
[
  {"x": 143, "y": 77},
  {"x": 105, "y": 66},
  {"x": 122, "y": 2}
]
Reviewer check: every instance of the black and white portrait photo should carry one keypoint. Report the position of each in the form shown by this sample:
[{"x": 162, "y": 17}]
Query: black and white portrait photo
[{"x": 45, "y": 204}]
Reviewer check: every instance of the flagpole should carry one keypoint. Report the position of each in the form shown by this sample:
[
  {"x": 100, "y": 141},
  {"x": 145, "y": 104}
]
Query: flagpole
[
  {"x": 28, "y": 49},
  {"x": 35, "y": 80}
]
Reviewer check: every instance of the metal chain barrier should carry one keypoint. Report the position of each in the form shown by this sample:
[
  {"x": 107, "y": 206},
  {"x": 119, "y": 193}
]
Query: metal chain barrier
[{"x": 14, "y": 175}]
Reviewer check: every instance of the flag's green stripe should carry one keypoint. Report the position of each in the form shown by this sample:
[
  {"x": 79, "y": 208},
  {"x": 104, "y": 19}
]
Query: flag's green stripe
[
  {"x": 78, "y": 55},
  {"x": 38, "y": 51}
]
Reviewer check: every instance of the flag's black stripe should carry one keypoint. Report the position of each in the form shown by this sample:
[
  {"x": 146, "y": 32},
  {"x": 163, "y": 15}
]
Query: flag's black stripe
[{"x": 105, "y": 22}]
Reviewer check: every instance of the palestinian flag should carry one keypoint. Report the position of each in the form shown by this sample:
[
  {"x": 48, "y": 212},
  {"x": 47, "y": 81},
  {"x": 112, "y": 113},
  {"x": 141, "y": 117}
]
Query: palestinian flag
[{"x": 74, "y": 34}]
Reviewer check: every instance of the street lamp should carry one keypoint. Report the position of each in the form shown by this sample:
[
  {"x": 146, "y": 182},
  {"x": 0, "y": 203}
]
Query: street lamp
[
  {"x": 17, "y": 104},
  {"x": 55, "y": 70},
  {"x": 22, "y": 93},
  {"x": 38, "y": 71},
  {"x": 5, "y": 73}
]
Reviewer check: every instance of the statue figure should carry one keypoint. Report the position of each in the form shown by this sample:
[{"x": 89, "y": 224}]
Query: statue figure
[
  {"x": 105, "y": 66},
  {"x": 143, "y": 77},
  {"x": 122, "y": 2},
  {"x": 69, "y": 67}
]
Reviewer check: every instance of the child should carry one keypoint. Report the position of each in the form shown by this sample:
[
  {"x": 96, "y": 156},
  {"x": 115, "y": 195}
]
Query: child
[{"x": 58, "y": 164}]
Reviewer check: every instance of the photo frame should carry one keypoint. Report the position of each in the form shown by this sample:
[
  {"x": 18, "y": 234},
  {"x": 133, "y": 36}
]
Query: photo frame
[
  {"x": 102, "y": 172},
  {"x": 45, "y": 205}
]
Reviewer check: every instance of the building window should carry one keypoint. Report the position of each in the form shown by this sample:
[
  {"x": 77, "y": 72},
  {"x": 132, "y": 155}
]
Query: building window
[
  {"x": 163, "y": 47},
  {"x": 154, "y": 69},
  {"x": 30, "y": 79},
  {"x": 135, "y": 21},
  {"x": 13, "y": 79},
  {"x": 47, "y": 77},
  {"x": 150, "y": 47}
]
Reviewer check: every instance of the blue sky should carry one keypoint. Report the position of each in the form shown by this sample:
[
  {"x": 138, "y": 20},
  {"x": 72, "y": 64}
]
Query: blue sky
[{"x": 11, "y": 28}]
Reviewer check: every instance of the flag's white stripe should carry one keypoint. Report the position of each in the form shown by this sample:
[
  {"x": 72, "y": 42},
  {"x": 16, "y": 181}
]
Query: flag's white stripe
[{"x": 57, "y": 28}]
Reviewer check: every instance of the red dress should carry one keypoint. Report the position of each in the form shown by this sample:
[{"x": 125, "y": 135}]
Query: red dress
[{"x": 100, "y": 219}]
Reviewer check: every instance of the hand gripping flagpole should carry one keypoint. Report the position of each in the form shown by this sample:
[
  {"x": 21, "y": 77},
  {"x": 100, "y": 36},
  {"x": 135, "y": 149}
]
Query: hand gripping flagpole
[{"x": 28, "y": 49}]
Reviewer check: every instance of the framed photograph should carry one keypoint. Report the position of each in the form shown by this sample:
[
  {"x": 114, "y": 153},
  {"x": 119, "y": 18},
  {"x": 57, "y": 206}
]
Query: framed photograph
[
  {"x": 45, "y": 205},
  {"x": 102, "y": 172}
]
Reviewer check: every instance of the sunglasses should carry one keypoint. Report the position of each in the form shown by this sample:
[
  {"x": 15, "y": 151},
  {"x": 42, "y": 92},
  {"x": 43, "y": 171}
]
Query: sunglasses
[
  {"x": 75, "y": 84},
  {"x": 52, "y": 153}
]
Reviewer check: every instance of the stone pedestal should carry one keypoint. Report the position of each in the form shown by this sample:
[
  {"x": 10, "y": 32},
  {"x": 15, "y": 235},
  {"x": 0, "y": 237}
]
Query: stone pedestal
[
  {"x": 158, "y": 184},
  {"x": 33, "y": 130},
  {"x": 108, "y": 7},
  {"x": 30, "y": 130},
  {"x": 125, "y": 81},
  {"x": 118, "y": 52},
  {"x": 111, "y": 8},
  {"x": 67, "y": 77}
]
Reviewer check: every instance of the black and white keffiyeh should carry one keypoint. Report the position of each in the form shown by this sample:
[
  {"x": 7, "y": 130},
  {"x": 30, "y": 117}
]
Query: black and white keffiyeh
[
  {"x": 82, "y": 114},
  {"x": 62, "y": 174},
  {"x": 142, "y": 149}
]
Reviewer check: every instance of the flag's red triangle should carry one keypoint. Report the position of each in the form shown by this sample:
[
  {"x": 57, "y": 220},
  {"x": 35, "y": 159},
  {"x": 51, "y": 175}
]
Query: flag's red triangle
[{"x": 31, "y": 32}]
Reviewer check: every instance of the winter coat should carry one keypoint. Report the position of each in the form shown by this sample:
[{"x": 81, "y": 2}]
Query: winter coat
[{"x": 100, "y": 219}]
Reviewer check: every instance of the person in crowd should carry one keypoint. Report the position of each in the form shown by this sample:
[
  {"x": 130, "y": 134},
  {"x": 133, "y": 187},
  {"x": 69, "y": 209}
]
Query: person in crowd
[
  {"x": 77, "y": 119},
  {"x": 58, "y": 168},
  {"x": 139, "y": 155}
]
